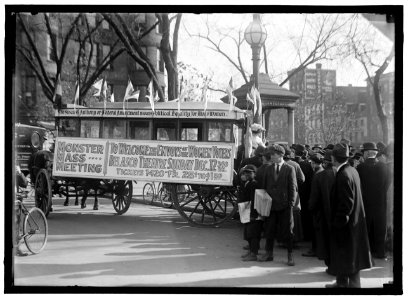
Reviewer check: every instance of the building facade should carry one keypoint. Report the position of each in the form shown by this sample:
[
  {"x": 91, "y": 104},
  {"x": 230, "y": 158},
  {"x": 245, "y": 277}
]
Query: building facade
[
  {"x": 317, "y": 89},
  {"x": 31, "y": 103}
]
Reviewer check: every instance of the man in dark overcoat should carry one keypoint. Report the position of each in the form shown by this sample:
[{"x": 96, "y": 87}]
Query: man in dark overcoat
[
  {"x": 280, "y": 183},
  {"x": 349, "y": 245},
  {"x": 304, "y": 194},
  {"x": 319, "y": 205},
  {"x": 374, "y": 186}
]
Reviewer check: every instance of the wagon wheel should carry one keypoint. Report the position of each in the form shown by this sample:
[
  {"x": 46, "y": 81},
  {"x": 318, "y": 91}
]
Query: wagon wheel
[
  {"x": 122, "y": 195},
  {"x": 43, "y": 193},
  {"x": 204, "y": 205}
]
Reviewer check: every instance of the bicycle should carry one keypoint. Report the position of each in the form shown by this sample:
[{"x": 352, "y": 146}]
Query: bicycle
[
  {"x": 34, "y": 232},
  {"x": 152, "y": 193}
]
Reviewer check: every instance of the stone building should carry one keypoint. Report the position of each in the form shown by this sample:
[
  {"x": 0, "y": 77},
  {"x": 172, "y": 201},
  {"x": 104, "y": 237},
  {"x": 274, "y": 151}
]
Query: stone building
[{"x": 31, "y": 103}]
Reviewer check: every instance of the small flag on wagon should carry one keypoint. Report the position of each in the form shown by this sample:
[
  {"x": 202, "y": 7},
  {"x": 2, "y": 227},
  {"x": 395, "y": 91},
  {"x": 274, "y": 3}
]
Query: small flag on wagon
[
  {"x": 76, "y": 99},
  {"x": 151, "y": 96},
  {"x": 232, "y": 98}
]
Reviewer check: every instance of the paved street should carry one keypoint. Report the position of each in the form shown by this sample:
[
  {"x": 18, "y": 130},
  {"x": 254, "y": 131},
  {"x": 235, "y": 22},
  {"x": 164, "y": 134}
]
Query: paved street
[{"x": 153, "y": 246}]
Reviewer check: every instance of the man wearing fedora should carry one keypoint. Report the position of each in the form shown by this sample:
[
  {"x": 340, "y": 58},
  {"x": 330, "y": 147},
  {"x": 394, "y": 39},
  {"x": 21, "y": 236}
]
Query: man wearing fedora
[
  {"x": 319, "y": 205},
  {"x": 374, "y": 186},
  {"x": 316, "y": 148},
  {"x": 280, "y": 183},
  {"x": 349, "y": 245}
]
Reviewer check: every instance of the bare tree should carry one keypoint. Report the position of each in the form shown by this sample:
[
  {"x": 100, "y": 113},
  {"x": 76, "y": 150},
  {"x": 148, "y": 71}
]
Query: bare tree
[
  {"x": 170, "y": 53},
  {"x": 131, "y": 42},
  {"x": 324, "y": 41},
  {"x": 366, "y": 58},
  {"x": 332, "y": 120},
  {"x": 64, "y": 29}
]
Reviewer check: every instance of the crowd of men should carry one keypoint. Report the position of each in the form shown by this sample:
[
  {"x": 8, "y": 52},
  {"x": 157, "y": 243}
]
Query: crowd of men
[{"x": 337, "y": 197}]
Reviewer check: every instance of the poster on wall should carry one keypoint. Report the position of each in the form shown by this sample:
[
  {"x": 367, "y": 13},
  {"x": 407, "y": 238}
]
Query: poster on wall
[{"x": 161, "y": 161}]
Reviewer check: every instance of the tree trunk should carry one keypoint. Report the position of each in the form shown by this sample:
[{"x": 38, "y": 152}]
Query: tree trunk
[{"x": 377, "y": 97}]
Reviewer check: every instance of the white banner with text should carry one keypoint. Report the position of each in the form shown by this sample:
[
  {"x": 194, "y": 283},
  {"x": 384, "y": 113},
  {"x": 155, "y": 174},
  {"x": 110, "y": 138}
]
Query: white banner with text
[{"x": 161, "y": 161}]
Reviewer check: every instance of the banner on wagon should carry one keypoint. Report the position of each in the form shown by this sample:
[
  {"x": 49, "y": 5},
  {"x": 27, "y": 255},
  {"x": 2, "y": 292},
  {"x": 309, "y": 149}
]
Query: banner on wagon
[{"x": 164, "y": 161}]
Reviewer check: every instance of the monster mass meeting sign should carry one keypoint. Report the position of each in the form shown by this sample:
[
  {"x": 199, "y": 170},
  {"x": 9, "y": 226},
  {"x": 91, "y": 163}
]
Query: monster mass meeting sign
[{"x": 161, "y": 161}]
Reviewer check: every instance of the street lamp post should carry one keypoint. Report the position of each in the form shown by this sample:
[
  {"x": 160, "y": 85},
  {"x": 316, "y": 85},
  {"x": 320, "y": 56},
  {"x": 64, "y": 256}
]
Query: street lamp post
[{"x": 255, "y": 35}]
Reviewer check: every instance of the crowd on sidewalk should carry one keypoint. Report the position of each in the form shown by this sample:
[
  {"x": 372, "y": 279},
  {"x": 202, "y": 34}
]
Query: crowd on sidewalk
[{"x": 337, "y": 197}]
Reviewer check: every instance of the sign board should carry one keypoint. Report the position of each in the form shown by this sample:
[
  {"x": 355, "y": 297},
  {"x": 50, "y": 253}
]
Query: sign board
[
  {"x": 143, "y": 113},
  {"x": 165, "y": 161}
]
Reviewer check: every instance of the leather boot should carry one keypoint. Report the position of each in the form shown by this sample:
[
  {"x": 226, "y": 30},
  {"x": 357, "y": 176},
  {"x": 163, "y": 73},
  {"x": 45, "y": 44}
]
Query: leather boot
[
  {"x": 268, "y": 256},
  {"x": 291, "y": 261},
  {"x": 250, "y": 257}
]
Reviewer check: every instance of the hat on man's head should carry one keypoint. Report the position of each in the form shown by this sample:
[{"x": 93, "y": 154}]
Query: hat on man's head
[
  {"x": 300, "y": 149},
  {"x": 275, "y": 148},
  {"x": 317, "y": 158},
  {"x": 257, "y": 127},
  {"x": 259, "y": 150},
  {"x": 329, "y": 147},
  {"x": 341, "y": 150},
  {"x": 369, "y": 146},
  {"x": 248, "y": 168},
  {"x": 327, "y": 155},
  {"x": 317, "y": 146},
  {"x": 287, "y": 149}
]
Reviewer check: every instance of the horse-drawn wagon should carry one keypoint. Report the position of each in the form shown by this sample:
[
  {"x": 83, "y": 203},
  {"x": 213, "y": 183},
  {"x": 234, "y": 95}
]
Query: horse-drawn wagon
[{"x": 190, "y": 149}]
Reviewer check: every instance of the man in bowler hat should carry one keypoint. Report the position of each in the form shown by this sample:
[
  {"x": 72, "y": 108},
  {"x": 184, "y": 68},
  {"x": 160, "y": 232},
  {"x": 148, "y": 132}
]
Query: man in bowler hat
[
  {"x": 349, "y": 245},
  {"x": 374, "y": 186},
  {"x": 280, "y": 183}
]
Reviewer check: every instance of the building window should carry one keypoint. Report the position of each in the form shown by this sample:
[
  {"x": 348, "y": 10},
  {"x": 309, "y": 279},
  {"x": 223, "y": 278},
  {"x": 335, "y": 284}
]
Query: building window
[
  {"x": 105, "y": 52},
  {"x": 138, "y": 66},
  {"x": 29, "y": 90},
  {"x": 105, "y": 24},
  {"x": 50, "y": 52},
  {"x": 91, "y": 19},
  {"x": 160, "y": 62},
  {"x": 362, "y": 107}
]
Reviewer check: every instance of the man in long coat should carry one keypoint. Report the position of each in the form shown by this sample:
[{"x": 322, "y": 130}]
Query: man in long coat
[
  {"x": 319, "y": 205},
  {"x": 349, "y": 245},
  {"x": 374, "y": 186},
  {"x": 304, "y": 194}
]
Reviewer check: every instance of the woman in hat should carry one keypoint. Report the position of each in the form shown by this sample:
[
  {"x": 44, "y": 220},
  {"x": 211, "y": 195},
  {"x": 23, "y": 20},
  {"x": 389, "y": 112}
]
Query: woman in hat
[{"x": 257, "y": 130}]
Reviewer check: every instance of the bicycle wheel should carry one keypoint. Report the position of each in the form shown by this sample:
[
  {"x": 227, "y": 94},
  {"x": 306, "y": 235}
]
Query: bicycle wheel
[
  {"x": 164, "y": 196},
  {"x": 148, "y": 193},
  {"x": 35, "y": 230}
]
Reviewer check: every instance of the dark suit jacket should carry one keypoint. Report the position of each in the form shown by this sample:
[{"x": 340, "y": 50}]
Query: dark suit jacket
[
  {"x": 283, "y": 190},
  {"x": 349, "y": 247}
]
